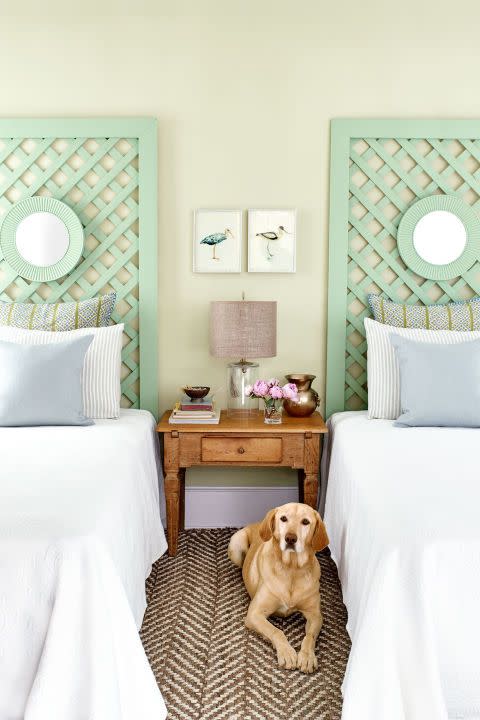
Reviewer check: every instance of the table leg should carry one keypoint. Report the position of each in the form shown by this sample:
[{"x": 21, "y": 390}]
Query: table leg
[
  {"x": 172, "y": 501},
  {"x": 312, "y": 461},
  {"x": 301, "y": 480},
  {"x": 310, "y": 489},
  {"x": 182, "y": 499},
  {"x": 173, "y": 489}
]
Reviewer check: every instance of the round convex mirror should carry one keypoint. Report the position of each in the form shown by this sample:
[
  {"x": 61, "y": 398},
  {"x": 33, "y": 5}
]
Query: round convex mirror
[
  {"x": 439, "y": 237},
  {"x": 42, "y": 239}
]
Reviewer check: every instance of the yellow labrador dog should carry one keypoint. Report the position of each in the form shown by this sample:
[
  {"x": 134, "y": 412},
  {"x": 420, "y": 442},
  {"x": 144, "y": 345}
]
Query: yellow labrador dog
[{"x": 282, "y": 575}]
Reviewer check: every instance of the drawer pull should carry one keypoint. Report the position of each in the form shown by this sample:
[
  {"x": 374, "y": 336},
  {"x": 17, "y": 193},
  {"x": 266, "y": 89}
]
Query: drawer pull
[{"x": 241, "y": 450}]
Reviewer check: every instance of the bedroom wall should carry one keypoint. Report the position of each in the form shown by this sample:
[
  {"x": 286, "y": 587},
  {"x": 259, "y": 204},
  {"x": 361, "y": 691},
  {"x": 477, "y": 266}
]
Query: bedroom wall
[{"x": 243, "y": 93}]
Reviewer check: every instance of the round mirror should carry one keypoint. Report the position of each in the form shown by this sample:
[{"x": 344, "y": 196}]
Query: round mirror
[
  {"x": 41, "y": 238},
  {"x": 439, "y": 237}
]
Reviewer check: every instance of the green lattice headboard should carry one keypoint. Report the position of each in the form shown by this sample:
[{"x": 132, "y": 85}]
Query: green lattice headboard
[
  {"x": 105, "y": 169},
  {"x": 378, "y": 168}
]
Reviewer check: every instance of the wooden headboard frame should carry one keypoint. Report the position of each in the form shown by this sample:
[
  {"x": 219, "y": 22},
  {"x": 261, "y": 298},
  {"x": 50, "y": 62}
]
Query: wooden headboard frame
[
  {"x": 378, "y": 169},
  {"x": 105, "y": 169}
]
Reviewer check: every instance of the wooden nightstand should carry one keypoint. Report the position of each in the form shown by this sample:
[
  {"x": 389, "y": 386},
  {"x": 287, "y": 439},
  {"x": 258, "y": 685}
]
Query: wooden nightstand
[{"x": 240, "y": 441}]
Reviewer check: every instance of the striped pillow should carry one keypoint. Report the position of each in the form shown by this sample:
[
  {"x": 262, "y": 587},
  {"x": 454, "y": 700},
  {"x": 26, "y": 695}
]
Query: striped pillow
[
  {"x": 60, "y": 316},
  {"x": 101, "y": 370},
  {"x": 383, "y": 373},
  {"x": 460, "y": 316}
]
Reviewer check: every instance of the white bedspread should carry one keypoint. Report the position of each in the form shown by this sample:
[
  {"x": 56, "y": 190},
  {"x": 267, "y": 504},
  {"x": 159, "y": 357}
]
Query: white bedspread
[
  {"x": 79, "y": 529},
  {"x": 403, "y": 516}
]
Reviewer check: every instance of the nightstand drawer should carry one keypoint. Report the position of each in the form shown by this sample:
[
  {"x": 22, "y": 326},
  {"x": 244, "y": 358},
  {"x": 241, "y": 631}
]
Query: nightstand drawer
[{"x": 238, "y": 449}]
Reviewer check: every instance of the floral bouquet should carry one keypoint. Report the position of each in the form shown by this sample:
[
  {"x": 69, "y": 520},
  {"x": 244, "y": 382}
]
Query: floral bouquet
[{"x": 272, "y": 394}]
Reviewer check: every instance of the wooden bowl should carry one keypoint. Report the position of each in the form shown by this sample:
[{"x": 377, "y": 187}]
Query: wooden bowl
[{"x": 196, "y": 392}]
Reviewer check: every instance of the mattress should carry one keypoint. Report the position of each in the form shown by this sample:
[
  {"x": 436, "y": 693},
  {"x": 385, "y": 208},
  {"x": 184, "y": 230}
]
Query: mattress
[
  {"x": 403, "y": 521},
  {"x": 79, "y": 529}
]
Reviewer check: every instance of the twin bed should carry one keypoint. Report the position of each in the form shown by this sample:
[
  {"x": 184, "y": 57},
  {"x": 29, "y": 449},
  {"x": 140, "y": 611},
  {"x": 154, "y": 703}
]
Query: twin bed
[
  {"x": 401, "y": 504},
  {"x": 80, "y": 503}
]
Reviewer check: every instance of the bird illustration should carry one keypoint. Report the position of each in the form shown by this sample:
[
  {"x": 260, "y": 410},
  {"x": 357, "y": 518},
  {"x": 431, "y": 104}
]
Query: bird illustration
[
  {"x": 215, "y": 239},
  {"x": 272, "y": 235}
]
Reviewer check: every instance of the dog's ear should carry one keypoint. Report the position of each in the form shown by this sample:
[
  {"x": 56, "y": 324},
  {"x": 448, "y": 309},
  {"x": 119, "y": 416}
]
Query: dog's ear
[
  {"x": 319, "y": 538},
  {"x": 267, "y": 526}
]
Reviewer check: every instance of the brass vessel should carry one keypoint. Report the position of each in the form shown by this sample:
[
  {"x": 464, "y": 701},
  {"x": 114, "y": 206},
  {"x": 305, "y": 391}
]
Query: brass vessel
[{"x": 308, "y": 399}]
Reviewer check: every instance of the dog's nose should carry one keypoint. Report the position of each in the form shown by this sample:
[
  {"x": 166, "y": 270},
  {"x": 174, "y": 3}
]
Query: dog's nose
[{"x": 290, "y": 539}]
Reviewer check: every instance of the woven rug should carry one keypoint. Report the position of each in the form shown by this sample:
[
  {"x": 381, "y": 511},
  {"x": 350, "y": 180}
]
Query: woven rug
[{"x": 209, "y": 667}]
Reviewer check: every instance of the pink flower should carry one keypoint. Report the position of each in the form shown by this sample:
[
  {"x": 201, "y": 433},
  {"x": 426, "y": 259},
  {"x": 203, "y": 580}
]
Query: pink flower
[
  {"x": 248, "y": 390},
  {"x": 290, "y": 391},
  {"x": 260, "y": 389},
  {"x": 272, "y": 382},
  {"x": 276, "y": 392}
]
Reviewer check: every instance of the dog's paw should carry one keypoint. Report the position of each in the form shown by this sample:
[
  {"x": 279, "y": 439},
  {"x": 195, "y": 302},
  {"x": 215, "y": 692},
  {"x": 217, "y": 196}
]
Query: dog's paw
[
  {"x": 307, "y": 661},
  {"x": 286, "y": 656}
]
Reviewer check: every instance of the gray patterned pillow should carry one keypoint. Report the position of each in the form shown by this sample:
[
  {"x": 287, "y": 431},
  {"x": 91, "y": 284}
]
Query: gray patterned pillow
[
  {"x": 60, "y": 316},
  {"x": 460, "y": 316}
]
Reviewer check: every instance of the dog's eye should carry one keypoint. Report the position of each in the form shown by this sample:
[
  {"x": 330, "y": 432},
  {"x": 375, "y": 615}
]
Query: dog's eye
[
  {"x": 305, "y": 521},
  {"x": 283, "y": 518}
]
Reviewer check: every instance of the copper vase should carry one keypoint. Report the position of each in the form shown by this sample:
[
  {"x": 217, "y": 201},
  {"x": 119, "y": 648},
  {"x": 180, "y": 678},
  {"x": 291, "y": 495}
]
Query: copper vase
[{"x": 308, "y": 399}]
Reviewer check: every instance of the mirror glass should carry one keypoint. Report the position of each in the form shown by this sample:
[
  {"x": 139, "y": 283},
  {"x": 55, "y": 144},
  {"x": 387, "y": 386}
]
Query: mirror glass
[
  {"x": 42, "y": 239},
  {"x": 440, "y": 237}
]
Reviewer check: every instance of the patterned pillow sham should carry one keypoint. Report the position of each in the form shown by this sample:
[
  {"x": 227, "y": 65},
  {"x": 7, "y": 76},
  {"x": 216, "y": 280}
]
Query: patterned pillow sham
[
  {"x": 61, "y": 316},
  {"x": 461, "y": 316}
]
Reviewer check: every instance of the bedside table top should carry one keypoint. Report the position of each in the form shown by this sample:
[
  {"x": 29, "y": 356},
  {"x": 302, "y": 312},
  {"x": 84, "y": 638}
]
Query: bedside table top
[{"x": 252, "y": 423}]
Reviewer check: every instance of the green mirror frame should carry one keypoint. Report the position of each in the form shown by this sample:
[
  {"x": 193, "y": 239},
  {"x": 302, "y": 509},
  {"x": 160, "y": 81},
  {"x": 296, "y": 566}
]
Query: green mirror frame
[
  {"x": 447, "y": 203},
  {"x": 19, "y": 212}
]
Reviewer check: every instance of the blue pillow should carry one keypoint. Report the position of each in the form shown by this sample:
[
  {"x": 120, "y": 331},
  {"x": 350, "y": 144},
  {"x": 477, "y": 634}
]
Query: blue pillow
[
  {"x": 41, "y": 384},
  {"x": 439, "y": 384}
]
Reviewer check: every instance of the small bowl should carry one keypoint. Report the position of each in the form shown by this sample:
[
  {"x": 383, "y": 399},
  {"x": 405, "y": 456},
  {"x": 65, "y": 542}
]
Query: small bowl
[{"x": 196, "y": 392}]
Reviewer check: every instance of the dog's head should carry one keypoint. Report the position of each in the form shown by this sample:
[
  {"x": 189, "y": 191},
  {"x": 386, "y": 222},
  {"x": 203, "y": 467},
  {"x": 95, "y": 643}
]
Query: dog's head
[{"x": 296, "y": 527}]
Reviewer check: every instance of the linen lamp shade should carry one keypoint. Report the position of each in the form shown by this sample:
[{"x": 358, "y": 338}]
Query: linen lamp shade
[{"x": 243, "y": 329}]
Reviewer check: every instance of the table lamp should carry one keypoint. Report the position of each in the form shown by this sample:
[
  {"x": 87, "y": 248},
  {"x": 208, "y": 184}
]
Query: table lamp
[{"x": 242, "y": 329}]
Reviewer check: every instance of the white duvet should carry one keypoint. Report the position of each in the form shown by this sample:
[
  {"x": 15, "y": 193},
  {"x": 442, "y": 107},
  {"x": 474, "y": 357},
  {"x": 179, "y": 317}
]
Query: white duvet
[
  {"x": 403, "y": 516},
  {"x": 79, "y": 529}
]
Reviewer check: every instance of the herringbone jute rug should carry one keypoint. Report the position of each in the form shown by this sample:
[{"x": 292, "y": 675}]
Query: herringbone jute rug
[{"x": 209, "y": 667}]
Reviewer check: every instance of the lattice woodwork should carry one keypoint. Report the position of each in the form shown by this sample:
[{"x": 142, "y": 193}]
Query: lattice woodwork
[
  {"x": 386, "y": 176},
  {"x": 98, "y": 178}
]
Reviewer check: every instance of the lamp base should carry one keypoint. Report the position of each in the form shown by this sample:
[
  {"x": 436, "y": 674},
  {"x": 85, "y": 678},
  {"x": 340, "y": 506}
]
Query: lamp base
[{"x": 239, "y": 375}]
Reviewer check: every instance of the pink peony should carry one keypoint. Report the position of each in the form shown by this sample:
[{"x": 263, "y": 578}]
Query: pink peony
[
  {"x": 290, "y": 391},
  {"x": 276, "y": 392},
  {"x": 273, "y": 381},
  {"x": 260, "y": 388},
  {"x": 248, "y": 389}
]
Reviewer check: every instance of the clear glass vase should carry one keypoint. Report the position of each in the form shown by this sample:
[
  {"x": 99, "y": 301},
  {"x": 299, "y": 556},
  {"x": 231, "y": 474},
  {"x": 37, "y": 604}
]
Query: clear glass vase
[{"x": 272, "y": 412}]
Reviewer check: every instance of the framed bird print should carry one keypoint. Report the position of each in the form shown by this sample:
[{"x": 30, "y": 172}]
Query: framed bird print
[
  {"x": 217, "y": 241},
  {"x": 272, "y": 241}
]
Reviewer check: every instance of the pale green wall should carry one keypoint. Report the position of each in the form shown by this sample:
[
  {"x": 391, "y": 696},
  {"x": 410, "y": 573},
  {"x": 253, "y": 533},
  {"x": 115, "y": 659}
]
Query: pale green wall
[{"x": 243, "y": 92}]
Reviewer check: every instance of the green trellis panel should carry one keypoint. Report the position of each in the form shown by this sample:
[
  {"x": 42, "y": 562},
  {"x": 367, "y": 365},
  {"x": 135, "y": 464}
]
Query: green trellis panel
[
  {"x": 105, "y": 169},
  {"x": 378, "y": 169}
]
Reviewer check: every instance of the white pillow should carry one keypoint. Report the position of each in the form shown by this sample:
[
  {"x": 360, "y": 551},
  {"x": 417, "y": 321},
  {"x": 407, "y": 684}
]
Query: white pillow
[
  {"x": 101, "y": 369},
  {"x": 383, "y": 372}
]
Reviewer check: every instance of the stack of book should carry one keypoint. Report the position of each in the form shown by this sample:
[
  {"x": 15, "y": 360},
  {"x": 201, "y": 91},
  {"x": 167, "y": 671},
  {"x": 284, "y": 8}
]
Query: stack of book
[{"x": 191, "y": 412}]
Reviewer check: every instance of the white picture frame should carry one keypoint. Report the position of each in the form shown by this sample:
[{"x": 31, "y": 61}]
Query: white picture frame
[
  {"x": 219, "y": 255},
  {"x": 272, "y": 236}
]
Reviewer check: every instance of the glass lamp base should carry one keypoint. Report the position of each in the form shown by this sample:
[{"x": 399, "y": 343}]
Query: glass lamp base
[{"x": 239, "y": 375}]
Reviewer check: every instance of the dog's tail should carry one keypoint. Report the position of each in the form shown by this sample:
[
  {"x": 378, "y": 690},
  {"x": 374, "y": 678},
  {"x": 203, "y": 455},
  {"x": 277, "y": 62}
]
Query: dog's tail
[{"x": 238, "y": 546}]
